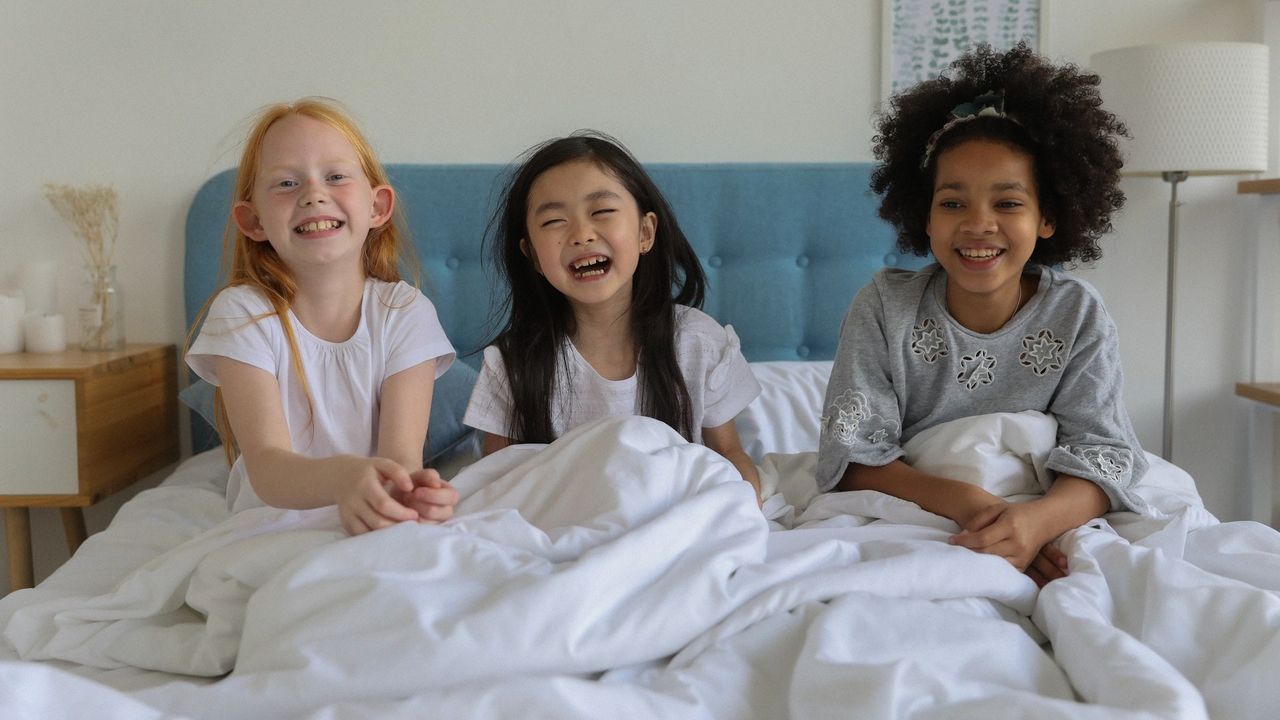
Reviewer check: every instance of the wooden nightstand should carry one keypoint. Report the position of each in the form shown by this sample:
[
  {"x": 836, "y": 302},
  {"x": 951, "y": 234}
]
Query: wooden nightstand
[{"x": 76, "y": 427}]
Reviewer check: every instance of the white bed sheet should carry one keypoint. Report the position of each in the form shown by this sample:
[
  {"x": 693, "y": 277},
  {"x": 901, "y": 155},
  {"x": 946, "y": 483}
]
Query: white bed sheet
[{"x": 624, "y": 573}]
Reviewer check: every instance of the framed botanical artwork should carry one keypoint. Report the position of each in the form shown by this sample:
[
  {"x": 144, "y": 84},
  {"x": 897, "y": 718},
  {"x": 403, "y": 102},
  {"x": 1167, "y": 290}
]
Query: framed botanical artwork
[{"x": 920, "y": 38}]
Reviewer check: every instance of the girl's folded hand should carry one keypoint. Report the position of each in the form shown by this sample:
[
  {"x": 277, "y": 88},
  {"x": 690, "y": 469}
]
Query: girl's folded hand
[
  {"x": 1014, "y": 531},
  {"x": 431, "y": 497},
  {"x": 366, "y": 503}
]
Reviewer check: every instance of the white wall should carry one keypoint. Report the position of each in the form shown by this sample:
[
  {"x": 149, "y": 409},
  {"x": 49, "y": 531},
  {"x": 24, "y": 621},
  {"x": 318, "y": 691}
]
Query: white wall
[
  {"x": 152, "y": 96},
  {"x": 1216, "y": 251}
]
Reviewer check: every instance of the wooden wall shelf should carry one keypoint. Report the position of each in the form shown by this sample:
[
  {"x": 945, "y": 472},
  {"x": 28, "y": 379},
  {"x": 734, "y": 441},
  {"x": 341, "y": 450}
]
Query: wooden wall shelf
[
  {"x": 1266, "y": 186},
  {"x": 1268, "y": 393}
]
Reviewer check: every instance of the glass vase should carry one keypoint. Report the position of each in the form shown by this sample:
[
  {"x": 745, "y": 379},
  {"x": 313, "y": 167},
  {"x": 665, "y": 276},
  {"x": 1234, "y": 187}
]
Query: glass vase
[{"x": 101, "y": 311}]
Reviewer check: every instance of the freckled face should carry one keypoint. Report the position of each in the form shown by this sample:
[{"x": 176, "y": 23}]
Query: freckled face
[
  {"x": 586, "y": 233},
  {"x": 311, "y": 198}
]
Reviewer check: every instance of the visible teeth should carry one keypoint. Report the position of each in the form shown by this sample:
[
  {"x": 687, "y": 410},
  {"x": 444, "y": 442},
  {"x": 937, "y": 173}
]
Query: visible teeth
[
  {"x": 318, "y": 225},
  {"x": 982, "y": 254},
  {"x": 589, "y": 262},
  {"x": 589, "y": 273}
]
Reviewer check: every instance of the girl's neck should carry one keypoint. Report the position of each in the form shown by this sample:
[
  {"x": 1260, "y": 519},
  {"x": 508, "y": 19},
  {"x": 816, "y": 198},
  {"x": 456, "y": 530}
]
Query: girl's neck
[
  {"x": 986, "y": 314},
  {"x": 328, "y": 304},
  {"x": 602, "y": 336}
]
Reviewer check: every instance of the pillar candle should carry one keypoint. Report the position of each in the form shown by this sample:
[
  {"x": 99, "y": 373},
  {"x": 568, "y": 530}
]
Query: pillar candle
[
  {"x": 12, "y": 309},
  {"x": 40, "y": 286},
  {"x": 45, "y": 333}
]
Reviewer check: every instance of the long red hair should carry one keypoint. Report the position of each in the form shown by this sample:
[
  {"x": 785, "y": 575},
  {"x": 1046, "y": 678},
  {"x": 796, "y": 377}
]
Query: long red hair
[{"x": 387, "y": 251}]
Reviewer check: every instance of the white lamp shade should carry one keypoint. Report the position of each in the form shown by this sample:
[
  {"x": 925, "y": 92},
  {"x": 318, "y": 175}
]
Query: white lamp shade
[{"x": 1200, "y": 107}]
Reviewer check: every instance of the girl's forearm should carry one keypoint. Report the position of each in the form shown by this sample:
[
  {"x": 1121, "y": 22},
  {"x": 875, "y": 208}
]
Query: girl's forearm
[
  {"x": 1072, "y": 502},
  {"x": 404, "y": 415},
  {"x": 285, "y": 479},
  {"x": 493, "y": 443},
  {"x": 724, "y": 440},
  {"x": 939, "y": 495},
  {"x": 745, "y": 467},
  {"x": 407, "y": 458}
]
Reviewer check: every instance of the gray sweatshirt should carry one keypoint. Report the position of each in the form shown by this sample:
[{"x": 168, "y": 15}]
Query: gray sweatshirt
[{"x": 904, "y": 365}]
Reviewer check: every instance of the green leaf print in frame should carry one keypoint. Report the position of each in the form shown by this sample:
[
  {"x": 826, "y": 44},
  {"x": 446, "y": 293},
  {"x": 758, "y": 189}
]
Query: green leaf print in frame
[{"x": 920, "y": 38}]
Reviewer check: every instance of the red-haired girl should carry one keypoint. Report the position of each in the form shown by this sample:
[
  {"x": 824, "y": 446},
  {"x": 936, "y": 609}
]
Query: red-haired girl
[{"x": 324, "y": 359}]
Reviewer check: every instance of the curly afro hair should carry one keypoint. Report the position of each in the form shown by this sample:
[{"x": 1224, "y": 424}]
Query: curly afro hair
[{"x": 1060, "y": 123}]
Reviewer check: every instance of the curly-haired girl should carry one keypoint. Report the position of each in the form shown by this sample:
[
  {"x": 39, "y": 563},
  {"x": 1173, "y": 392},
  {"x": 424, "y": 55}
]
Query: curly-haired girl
[{"x": 1001, "y": 168}]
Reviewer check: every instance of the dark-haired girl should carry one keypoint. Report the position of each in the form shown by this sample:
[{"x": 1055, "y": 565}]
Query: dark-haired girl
[
  {"x": 602, "y": 311},
  {"x": 1001, "y": 168}
]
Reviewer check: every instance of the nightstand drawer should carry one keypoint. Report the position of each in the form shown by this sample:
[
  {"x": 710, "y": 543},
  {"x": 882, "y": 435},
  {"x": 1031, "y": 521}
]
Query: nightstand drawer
[
  {"x": 38, "y": 452},
  {"x": 77, "y": 426}
]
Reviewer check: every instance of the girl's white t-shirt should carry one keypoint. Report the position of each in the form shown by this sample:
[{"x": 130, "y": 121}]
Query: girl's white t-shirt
[
  {"x": 719, "y": 380},
  {"x": 398, "y": 330}
]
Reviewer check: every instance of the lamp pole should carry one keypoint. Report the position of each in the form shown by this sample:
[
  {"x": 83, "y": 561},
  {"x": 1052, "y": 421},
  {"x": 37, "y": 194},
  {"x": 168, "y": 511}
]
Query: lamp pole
[{"x": 1173, "y": 178}]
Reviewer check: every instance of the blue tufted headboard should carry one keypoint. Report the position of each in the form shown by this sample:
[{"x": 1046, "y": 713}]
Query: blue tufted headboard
[{"x": 784, "y": 246}]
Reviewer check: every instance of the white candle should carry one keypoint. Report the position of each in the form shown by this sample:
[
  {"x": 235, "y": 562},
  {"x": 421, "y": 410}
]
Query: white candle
[
  {"x": 45, "y": 333},
  {"x": 40, "y": 286},
  {"x": 12, "y": 309}
]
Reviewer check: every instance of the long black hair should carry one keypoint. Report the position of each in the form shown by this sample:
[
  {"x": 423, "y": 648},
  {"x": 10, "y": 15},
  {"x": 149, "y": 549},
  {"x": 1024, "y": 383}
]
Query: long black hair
[{"x": 539, "y": 320}]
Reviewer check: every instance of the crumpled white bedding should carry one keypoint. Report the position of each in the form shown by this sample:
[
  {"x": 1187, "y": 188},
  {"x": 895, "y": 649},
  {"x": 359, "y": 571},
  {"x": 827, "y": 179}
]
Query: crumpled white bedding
[{"x": 621, "y": 572}]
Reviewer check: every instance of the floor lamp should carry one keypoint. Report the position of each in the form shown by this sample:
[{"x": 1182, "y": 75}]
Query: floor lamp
[{"x": 1191, "y": 109}]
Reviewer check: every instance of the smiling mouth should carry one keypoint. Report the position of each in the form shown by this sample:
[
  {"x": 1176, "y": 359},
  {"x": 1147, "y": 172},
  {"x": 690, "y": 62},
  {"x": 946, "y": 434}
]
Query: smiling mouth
[
  {"x": 980, "y": 254},
  {"x": 318, "y": 226},
  {"x": 591, "y": 267}
]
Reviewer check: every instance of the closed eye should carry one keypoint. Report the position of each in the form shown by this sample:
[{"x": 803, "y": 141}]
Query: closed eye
[
  {"x": 552, "y": 221},
  {"x": 604, "y": 211}
]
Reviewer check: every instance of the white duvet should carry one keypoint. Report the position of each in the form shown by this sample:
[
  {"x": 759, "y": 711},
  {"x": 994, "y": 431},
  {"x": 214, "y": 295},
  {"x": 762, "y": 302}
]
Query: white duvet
[{"x": 621, "y": 572}]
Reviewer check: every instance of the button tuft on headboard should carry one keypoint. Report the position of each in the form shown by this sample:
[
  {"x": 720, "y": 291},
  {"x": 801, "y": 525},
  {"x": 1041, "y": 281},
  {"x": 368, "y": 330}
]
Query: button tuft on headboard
[
  {"x": 802, "y": 261},
  {"x": 891, "y": 259},
  {"x": 715, "y": 261},
  {"x": 803, "y": 352},
  {"x": 453, "y": 263}
]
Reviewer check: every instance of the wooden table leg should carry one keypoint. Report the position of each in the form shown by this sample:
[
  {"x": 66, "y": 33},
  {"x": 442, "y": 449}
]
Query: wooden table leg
[
  {"x": 17, "y": 525},
  {"x": 73, "y": 524}
]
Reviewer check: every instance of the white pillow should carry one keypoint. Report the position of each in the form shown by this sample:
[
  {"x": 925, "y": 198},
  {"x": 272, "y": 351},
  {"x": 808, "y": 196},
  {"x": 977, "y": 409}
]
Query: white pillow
[{"x": 784, "y": 419}]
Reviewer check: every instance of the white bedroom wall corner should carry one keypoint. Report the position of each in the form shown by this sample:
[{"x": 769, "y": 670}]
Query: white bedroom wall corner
[
  {"x": 1265, "y": 350},
  {"x": 1275, "y": 479},
  {"x": 1264, "y": 437},
  {"x": 1271, "y": 37}
]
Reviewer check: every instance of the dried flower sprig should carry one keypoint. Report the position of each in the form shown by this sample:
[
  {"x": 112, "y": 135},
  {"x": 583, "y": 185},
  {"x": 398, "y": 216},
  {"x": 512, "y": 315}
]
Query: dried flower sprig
[{"x": 93, "y": 214}]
